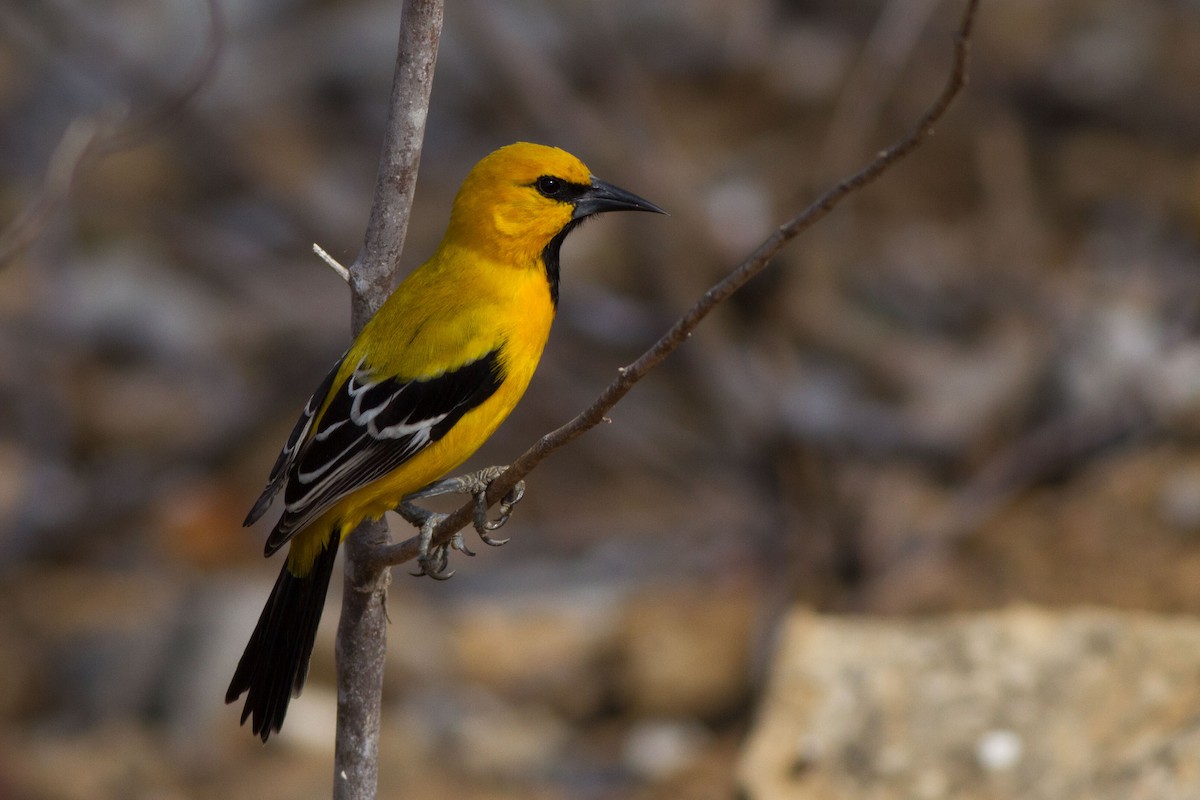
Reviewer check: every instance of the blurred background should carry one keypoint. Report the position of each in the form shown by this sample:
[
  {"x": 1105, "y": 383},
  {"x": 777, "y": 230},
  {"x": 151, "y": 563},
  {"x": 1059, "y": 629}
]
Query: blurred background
[{"x": 976, "y": 384}]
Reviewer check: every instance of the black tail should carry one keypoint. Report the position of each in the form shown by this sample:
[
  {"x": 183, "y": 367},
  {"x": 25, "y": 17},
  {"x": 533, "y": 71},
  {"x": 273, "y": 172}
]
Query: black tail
[{"x": 272, "y": 670}]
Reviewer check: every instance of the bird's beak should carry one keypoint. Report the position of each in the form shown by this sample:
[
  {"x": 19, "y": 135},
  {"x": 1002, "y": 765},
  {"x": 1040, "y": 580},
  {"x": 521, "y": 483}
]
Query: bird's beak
[{"x": 602, "y": 196}]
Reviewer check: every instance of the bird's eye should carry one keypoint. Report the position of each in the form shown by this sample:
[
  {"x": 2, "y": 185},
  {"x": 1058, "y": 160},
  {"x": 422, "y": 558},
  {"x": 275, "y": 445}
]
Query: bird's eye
[{"x": 550, "y": 186}]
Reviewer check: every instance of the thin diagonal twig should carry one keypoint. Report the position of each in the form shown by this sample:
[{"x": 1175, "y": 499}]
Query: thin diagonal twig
[{"x": 755, "y": 263}]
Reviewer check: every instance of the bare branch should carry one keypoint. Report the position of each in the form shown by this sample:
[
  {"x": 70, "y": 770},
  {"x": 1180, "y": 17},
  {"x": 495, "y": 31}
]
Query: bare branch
[
  {"x": 150, "y": 122},
  {"x": 374, "y": 271},
  {"x": 755, "y": 263},
  {"x": 91, "y": 137},
  {"x": 76, "y": 143}
]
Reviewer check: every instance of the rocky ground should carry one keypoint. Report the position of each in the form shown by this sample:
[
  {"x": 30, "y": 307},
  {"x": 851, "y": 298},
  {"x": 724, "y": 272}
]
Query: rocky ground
[
  {"x": 1025, "y": 703},
  {"x": 916, "y": 515}
]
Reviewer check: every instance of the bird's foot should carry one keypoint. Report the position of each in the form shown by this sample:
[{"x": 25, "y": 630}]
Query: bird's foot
[
  {"x": 432, "y": 561},
  {"x": 476, "y": 484}
]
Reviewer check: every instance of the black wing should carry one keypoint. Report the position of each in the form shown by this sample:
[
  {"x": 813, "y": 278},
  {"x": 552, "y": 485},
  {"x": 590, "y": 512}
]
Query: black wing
[
  {"x": 370, "y": 428},
  {"x": 288, "y": 454}
]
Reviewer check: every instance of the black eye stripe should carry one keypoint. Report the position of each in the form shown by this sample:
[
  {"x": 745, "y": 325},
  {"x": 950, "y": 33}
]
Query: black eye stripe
[{"x": 560, "y": 189}]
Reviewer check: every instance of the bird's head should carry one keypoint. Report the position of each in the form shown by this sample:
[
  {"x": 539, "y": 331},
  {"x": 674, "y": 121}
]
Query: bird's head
[{"x": 524, "y": 198}]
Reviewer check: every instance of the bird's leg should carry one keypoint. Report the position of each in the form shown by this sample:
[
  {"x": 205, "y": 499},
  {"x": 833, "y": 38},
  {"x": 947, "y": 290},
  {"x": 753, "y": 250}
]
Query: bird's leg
[{"x": 476, "y": 484}]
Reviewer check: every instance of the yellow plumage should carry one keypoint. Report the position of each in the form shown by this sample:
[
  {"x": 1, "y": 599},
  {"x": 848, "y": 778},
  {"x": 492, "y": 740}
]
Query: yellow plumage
[
  {"x": 427, "y": 381},
  {"x": 444, "y": 327}
]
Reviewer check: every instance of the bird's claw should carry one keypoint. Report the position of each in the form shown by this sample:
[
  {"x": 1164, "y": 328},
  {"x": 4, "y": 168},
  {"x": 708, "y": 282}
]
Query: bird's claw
[
  {"x": 483, "y": 525},
  {"x": 458, "y": 543},
  {"x": 431, "y": 560}
]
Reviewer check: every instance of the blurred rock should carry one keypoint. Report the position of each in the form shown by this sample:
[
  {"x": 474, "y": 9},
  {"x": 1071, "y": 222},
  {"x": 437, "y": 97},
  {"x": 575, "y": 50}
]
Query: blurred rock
[
  {"x": 21, "y": 682},
  {"x": 966, "y": 396},
  {"x": 473, "y": 733},
  {"x": 104, "y": 640},
  {"x": 549, "y": 643},
  {"x": 1106, "y": 55},
  {"x": 663, "y": 652},
  {"x": 14, "y": 480},
  {"x": 1179, "y": 502},
  {"x": 659, "y": 749},
  {"x": 684, "y": 650},
  {"x": 199, "y": 522},
  {"x": 1022, "y": 703},
  {"x": 115, "y": 760},
  {"x": 126, "y": 304},
  {"x": 493, "y": 738},
  {"x": 1101, "y": 538}
]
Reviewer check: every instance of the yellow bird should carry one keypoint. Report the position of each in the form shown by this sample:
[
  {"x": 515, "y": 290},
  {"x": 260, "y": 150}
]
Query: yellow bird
[{"x": 428, "y": 380}]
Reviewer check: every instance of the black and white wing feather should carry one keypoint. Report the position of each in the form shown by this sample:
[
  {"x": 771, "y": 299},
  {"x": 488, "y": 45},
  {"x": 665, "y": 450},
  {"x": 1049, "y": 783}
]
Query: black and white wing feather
[
  {"x": 290, "y": 448},
  {"x": 371, "y": 426}
]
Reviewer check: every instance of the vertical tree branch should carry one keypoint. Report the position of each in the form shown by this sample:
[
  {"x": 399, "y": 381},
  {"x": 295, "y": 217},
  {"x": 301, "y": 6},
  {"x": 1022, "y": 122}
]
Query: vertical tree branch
[
  {"x": 373, "y": 273},
  {"x": 362, "y": 628},
  {"x": 360, "y": 650}
]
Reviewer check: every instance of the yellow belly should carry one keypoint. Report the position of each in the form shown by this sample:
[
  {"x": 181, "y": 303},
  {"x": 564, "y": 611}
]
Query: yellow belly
[{"x": 455, "y": 447}]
